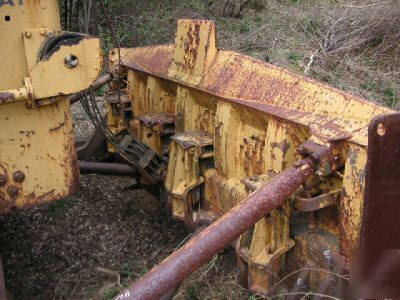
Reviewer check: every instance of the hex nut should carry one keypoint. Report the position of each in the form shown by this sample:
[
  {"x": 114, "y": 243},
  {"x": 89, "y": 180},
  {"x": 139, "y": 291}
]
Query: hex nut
[{"x": 19, "y": 176}]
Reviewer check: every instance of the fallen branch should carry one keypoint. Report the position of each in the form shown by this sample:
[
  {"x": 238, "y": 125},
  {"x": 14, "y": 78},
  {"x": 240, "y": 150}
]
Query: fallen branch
[
  {"x": 307, "y": 68},
  {"x": 112, "y": 273}
]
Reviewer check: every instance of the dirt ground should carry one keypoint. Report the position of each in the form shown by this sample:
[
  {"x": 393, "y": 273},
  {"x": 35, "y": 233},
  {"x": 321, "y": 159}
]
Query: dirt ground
[
  {"x": 95, "y": 243},
  {"x": 55, "y": 251}
]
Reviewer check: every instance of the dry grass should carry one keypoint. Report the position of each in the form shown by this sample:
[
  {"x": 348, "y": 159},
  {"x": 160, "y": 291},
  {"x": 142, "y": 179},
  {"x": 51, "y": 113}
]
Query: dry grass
[
  {"x": 352, "y": 45},
  {"x": 354, "y": 48}
]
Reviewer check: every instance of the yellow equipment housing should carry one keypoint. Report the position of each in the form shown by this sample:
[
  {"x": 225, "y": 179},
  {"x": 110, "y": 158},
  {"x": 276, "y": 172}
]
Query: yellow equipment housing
[
  {"x": 41, "y": 66},
  {"x": 234, "y": 122}
]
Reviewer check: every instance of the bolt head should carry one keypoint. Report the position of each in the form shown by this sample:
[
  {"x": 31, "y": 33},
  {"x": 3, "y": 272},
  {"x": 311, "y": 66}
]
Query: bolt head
[
  {"x": 3, "y": 180},
  {"x": 192, "y": 151},
  {"x": 19, "y": 176},
  {"x": 42, "y": 31},
  {"x": 71, "y": 61},
  {"x": 13, "y": 191},
  {"x": 28, "y": 34}
]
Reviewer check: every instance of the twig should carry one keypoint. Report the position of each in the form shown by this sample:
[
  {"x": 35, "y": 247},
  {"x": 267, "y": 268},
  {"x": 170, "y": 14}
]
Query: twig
[
  {"x": 303, "y": 269},
  {"x": 241, "y": 7},
  {"x": 225, "y": 6},
  {"x": 210, "y": 266},
  {"x": 184, "y": 241},
  {"x": 304, "y": 293},
  {"x": 307, "y": 68},
  {"x": 112, "y": 273},
  {"x": 364, "y": 6}
]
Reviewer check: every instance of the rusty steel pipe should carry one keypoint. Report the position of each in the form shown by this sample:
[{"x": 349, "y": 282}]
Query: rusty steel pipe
[
  {"x": 102, "y": 80},
  {"x": 106, "y": 168},
  {"x": 174, "y": 269}
]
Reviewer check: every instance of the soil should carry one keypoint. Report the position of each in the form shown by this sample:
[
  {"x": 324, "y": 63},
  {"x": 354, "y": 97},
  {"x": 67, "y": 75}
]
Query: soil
[{"x": 54, "y": 251}]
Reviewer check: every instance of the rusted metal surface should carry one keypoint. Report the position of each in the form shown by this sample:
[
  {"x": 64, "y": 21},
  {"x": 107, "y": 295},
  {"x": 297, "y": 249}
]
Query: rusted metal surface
[
  {"x": 242, "y": 79},
  {"x": 381, "y": 217},
  {"x": 106, "y": 168},
  {"x": 352, "y": 198},
  {"x": 201, "y": 249},
  {"x": 147, "y": 162},
  {"x": 157, "y": 59},
  {"x": 117, "y": 96},
  {"x": 38, "y": 160},
  {"x": 99, "y": 83},
  {"x": 162, "y": 123},
  {"x": 201, "y": 140},
  {"x": 308, "y": 204},
  {"x": 189, "y": 151}
]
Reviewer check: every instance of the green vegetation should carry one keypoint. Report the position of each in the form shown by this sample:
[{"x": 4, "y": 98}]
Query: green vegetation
[
  {"x": 193, "y": 292},
  {"x": 109, "y": 293},
  {"x": 58, "y": 208}
]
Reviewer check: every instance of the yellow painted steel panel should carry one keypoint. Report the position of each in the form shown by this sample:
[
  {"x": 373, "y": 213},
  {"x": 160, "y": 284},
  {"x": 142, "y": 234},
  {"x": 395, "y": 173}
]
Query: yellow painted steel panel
[
  {"x": 38, "y": 142},
  {"x": 22, "y": 15}
]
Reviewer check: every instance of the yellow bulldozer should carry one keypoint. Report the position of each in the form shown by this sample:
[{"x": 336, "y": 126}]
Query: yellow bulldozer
[{"x": 286, "y": 170}]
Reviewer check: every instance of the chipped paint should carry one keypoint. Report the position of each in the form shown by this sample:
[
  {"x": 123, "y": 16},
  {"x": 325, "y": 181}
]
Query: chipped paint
[{"x": 256, "y": 117}]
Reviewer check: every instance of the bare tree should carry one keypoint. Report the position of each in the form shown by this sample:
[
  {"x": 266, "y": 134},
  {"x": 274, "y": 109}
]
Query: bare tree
[
  {"x": 87, "y": 8},
  {"x": 240, "y": 5}
]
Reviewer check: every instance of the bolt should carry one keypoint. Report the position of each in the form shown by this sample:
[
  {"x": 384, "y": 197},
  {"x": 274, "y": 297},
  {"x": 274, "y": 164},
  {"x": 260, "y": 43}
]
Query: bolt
[
  {"x": 42, "y": 31},
  {"x": 327, "y": 255},
  {"x": 381, "y": 130},
  {"x": 3, "y": 180},
  {"x": 28, "y": 34},
  {"x": 300, "y": 283},
  {"x": 13, "y": 191},
  {"x": 19, "y": 176},
  {"x": 71, "y": 61},
  {"x": 192, "y": 151}
]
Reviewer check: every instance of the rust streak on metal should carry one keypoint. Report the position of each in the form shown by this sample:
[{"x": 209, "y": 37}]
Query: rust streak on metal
[
  {"x": 316, "y": 203},
  {"x": 220, "y": 234},
  {"x": 158, "y": 60},
  {"x": 60, "y": 125}
]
